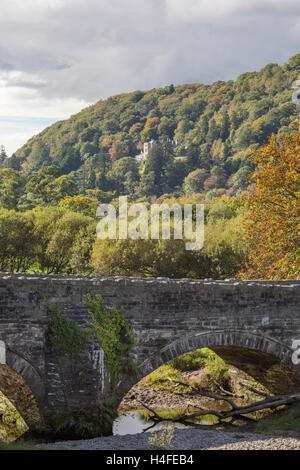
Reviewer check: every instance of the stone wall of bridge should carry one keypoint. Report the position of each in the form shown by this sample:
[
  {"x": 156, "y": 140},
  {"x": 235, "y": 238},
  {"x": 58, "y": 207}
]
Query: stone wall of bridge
[{"x": 169, "y": 317}]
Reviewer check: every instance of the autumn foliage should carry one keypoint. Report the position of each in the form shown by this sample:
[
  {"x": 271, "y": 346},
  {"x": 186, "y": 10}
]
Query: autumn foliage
[{"x": 272, "y": 226}]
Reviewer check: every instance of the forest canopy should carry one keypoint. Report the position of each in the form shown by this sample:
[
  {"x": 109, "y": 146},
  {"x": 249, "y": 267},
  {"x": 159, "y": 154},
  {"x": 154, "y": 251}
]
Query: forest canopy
[
  {"x": 232, "y": 146},
  {"x": 195, "y": 126}
]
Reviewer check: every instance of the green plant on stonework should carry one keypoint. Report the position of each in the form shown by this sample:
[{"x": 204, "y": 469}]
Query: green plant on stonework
[
  {"x": 108, "y": 326},
  {"x": 69, "y": 339},
  {"x": 163, "y": 440},
  {"x": 67, "y": 336},
  {"x": 116, "y": 336}
]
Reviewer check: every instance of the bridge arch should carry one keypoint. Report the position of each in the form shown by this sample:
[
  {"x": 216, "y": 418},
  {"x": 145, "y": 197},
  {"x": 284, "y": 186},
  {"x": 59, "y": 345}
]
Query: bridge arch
[
  {"x": 229, "y": 344},
  {"x": 28, "y": 399}
]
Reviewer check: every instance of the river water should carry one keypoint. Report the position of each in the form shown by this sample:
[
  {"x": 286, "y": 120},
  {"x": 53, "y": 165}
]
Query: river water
[
  {"x": 134, "y": 423},
  {"x": 131, "y": 422}
]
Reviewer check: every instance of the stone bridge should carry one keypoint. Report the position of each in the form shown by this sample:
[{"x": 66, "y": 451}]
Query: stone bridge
[{"x": 252, "y": 324}]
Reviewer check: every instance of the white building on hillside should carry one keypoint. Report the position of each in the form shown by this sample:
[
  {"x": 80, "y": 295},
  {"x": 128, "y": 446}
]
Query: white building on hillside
[
  {"x": 148, "y": 146},
  {"x": 142, "y": 157}
]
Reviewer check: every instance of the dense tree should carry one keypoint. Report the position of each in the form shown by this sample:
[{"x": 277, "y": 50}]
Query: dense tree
[
  {"x": 48, "y": 187},
  {"x": 59, "y": 237},
  {"x": 119, "y": 150},
  {"x": 67, "y": 239},
  {"x": 12, "y": 162},
  {"x": 60, "y": 188},
  {"x": 221, "y": 256},
  {"x": 209, "y": 122},
  {"x": 217, "y": 178},
  {"x": 225, "y": 127},
  {"x": 150, "y": 129},
  {"x": 39, "y": 157},
  {"x": 216, "y": 128},
  {"x": 3, "y": 154},
  {"x": 124, "y": 175},
  {"x": 147, "y": 185},
  {"x": 175, "y": 172},
  {"x": 193, "y": 154},
  {"x": 69, "y": 159},
  {"x": 83, "y": 204},
  {"x": 241, "y": 178},
  {"x": 62, "y": 240},
  {"x": 213, "y": 132},
  {"x": 12, "y": 185},
  {"x": 160, "y": 156},
  {"x": 17, "y": 241},
  {"x": 194, "y": 182},
  {"x": 273, "y": 223}
]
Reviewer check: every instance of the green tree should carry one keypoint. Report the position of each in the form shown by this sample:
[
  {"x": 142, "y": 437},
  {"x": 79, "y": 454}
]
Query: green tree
[
  {"x": 83, "y": 204},
  {"x": 47, "y": 187},
  {"x": 68, "y": 158},
  {"x": 17, "y": 241},
  {"x": 124, "y": 175},
  {"x": 225, "y": 127},
  {"x": 3, "y": 154},
  {"x": 217, "y": 178},
  {"x": 193, "y": 154},
  {"x": 241, "y": 177},
  {"x": 60, "y": 188},
  {"x": 61, "y": 245},
  {"x": 194, "y": 182},
  {"x": 213, "y": 132},
  {"x": 12, "y": 186},
  {"x": 39, "y": 157},
  {"x": 175, "y": 172},
  {"x": 147, "y": 185},
  {"x": 60, "y": 240},
  {"x": 160, "y": 155},
  {"x": 12, "y": 162}
]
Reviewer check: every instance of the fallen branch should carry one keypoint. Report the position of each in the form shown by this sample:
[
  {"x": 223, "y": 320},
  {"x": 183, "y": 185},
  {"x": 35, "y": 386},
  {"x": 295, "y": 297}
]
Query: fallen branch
[
  {"x": 257, "y": 392},
  {"x": 236, "y": 412},
  {"x": 155, "y": 416}
]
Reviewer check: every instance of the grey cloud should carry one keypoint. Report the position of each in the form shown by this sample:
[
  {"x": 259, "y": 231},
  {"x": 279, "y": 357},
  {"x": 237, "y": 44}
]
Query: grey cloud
[
  {"x": 90, "y": 50},
  {"x": 25, "y": 84},
  {"x": 5, "y": 66}
]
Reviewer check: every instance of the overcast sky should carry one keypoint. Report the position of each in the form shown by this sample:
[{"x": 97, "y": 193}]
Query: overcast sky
[{"x": 58, "y": 56}]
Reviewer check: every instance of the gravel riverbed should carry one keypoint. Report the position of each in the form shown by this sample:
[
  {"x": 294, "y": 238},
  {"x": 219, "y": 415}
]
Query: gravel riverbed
[{"x": 186, "y": 439}]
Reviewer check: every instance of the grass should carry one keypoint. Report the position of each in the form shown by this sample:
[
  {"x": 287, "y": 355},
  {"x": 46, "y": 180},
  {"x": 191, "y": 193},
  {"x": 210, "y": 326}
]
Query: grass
[
  {"x": 282, "y": 420},
  {"x": 199, "y": 359},
  {"x": 195, "y": 359},
  {"x": 159, "y": 379},
  {"x": 17, "y": 446},
  {"x": 162, "y": 440}
]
